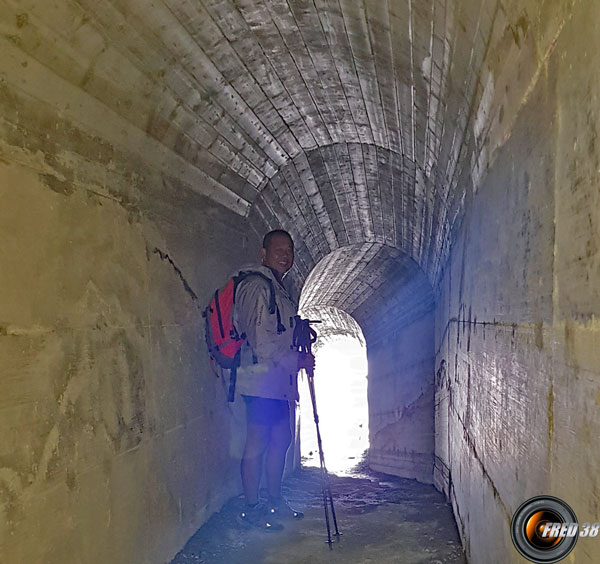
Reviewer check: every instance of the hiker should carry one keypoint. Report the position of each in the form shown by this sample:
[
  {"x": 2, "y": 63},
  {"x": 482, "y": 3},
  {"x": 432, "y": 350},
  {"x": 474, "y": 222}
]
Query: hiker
[{"x": 267, "y": 379}]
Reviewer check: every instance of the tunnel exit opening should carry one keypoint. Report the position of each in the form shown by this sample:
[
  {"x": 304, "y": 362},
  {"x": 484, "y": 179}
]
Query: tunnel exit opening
[{"x": 341, "y": 394}]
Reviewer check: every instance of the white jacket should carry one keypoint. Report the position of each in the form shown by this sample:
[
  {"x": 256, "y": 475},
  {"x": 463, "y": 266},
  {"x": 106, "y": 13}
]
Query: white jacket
[{"x": 269, "y": 366}]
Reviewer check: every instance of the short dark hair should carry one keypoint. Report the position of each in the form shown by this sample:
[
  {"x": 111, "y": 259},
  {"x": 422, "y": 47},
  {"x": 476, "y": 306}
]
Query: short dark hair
[{"x": 267, "y": 238}]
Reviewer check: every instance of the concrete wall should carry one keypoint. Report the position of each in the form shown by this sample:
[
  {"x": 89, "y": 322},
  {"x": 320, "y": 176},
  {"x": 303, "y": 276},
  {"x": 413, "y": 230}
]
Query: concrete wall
[
  {"x": 517, "y": 362},
  {"x": 117, "y": 441},
  {"x": 400, "y": 395}
]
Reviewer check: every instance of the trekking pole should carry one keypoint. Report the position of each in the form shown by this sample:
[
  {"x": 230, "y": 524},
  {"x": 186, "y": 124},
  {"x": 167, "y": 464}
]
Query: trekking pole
[{"x": 304, "y": 337}]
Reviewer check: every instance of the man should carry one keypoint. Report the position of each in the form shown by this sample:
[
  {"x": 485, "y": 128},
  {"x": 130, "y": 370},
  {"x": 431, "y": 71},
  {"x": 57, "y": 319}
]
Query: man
[{"x": 267, "y": 379}]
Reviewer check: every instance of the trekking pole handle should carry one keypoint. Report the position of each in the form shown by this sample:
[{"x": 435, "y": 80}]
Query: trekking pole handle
[{"x": 304, "y": 334}]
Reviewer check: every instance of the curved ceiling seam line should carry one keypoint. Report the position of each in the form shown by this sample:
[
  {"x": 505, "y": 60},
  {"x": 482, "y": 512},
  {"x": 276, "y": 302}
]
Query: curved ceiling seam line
[
  {"x": 306, "y": 221},
  {"x": 274, "y": 70},
  {"x": 316, "y": 201},
  {"x": 127, "y": 54},
  {"x": 335, "y": 195},
  {"x": 473, "y": 102},
  {"x": 346, "y": 293},
  {"x": 376, "y": 74},
  {"x": 353, "y": 61},
  {"x": 466, "y": 84},
  {"x": 395, "y": 79},
  {"x": 412, "y": 81},
  {"x": 281, "y": 220},
  {"x": 320, "y": 15},
  {"x": 349, "y": 267},
  {"x": 362, "y": 164},
  {"x": 210, "y": 66},
  {"x": 242, "y": 63},
  {"x": 333, "y": 59},
  {"x": 355, "y": 292},
  {"x": 299, "y": 73},
  {"x": 309, "y": 54},
  {"x": 309, "y": 202}
]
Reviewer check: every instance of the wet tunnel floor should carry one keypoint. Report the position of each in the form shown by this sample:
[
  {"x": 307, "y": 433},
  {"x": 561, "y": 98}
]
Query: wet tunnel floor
[{"x": 382, "y": 519}]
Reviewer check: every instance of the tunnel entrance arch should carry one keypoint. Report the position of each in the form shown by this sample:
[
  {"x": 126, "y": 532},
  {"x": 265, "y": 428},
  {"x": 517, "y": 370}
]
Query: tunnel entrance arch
[
  {"x": 389, "y": 297},
  {"x": 340, "y": 390}
]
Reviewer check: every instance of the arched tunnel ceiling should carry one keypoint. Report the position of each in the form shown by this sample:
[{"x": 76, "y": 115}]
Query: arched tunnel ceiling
[
  {"x": 380, "y": 286},
  {"x": 347, "y": 122}
]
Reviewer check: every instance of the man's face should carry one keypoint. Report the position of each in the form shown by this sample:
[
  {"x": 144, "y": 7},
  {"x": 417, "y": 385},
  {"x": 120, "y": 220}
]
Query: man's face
[{"x": 279, "y": 255}]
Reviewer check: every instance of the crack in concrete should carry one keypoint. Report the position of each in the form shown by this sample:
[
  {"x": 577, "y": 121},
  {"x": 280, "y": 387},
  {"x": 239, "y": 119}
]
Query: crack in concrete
[{"x": 186, "y": 286}]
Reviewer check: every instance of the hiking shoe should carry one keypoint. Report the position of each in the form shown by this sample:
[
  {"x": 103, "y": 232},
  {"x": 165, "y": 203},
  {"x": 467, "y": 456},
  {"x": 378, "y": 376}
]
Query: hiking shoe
[
  {"x": 280, "y": 508},
  {"x": 258, "y": 517}
]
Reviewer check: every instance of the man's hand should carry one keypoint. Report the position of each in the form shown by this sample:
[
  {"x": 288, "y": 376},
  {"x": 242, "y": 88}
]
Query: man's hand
[{"x": 306, "y": 361}]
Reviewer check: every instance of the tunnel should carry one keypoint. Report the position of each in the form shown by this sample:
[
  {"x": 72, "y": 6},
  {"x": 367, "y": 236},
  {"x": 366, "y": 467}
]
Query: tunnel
[{"x": 436, "y": 163}]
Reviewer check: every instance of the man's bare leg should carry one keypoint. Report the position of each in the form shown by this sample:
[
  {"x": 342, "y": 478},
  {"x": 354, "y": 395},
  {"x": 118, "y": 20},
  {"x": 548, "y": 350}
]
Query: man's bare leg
[
  {"x": 279, "y": 441},
  {"x": 257, "y": 440}
]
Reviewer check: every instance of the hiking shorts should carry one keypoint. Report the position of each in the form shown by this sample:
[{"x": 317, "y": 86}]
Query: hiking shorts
[{"x": 266, "y": 411}]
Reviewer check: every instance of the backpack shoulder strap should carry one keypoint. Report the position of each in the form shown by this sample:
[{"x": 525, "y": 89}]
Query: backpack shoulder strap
[
  {"x": 243, "y": 275},
  {"x": 273, "y": 308}
]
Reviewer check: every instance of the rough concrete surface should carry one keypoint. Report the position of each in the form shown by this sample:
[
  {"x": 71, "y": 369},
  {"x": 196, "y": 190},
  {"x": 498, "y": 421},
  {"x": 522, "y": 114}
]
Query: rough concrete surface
[
  {"x": 427, "y": 156},
  {"x": 382, "y": 519}
]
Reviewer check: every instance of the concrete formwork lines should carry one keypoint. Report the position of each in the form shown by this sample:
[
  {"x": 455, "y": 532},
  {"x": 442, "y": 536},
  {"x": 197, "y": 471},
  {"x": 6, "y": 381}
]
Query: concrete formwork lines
[
  {"x": 468, "y": 106},
  {"x": 319, "y": 49},
  {"x": 42, "y": 84},
  {"x": 180, "y": 94},
  {"x": 385, "y": 180},
  {"x": 413, "y": 125},
  {"x": 252, "y": 55},
  {"x": 313, "y": 283},
  {"x": 211, "y": 39},
  {"x": 399, "y": 30},
  {"x": 357, "y": 165},
  {"x": 343, "y": 269},
  {"x": 366, "y": 283},
  {"x": 332, "y": 197},
  {"x": 368, "y": 253},
  {"x": 436, "y": 84},
  {"x": 285, "y": 19},
  {"x": 307, "y": 242},
  {"x": 378, "y": 23},
  {"x": 356, "y": 26},
  {"x": 421, "y": 58},
  {"x": 165, "y": 30},
  {"x": 344, "y": 194},
  {"x": 334, "y": 29},
  {"x": 371, "y": 166},
  {"x": 397, "y": 191},
  {"x": 344, "y": 164},
  {"x": 259, "y": 19},
  {"x": 313, "y": 191},
  {"x": 296, "y": 187}
]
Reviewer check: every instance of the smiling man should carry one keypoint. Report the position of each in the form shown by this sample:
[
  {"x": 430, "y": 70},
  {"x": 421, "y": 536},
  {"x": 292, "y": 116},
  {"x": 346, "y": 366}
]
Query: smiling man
[{"x": 267, "y": 378}]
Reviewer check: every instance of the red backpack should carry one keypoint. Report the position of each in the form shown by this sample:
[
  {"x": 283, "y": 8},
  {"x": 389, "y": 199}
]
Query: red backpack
[{"x": 222, "y": 338}]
